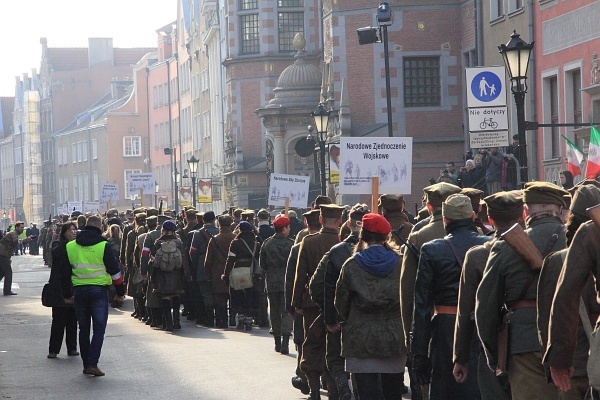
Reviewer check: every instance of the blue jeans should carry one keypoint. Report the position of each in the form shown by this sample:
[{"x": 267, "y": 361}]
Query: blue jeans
[{"x": 91, "y": 305}]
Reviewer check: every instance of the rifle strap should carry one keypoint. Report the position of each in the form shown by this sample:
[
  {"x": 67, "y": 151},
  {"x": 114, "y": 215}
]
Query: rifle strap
[{"x": 455, "y": 252}]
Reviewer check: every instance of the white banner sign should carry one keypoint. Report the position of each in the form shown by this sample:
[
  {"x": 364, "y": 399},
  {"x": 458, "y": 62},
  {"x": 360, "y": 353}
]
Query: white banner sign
[
  {"x": 63, "y": 208},
  {"x": 143, "y": 181},
  {"x": 91, "y": 207},
  {"x": 109, "y": 191},
  {"x": 293, "y": 186},
  {"x": 74, "y": 206},
  {"x": 390, "y": 159}
]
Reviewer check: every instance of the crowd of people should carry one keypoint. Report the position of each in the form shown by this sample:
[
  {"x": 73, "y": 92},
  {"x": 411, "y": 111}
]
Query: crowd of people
[{"x": 478, "y": 296}]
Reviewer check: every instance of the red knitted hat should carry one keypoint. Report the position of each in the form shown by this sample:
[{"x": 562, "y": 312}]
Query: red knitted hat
[{"x": 376, "y": 223}]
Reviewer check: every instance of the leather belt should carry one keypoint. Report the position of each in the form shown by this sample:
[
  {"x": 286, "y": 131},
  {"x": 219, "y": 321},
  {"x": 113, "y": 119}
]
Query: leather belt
[
  {"x": 520, "y": 304},
  {"x": 445, "y": 310}
]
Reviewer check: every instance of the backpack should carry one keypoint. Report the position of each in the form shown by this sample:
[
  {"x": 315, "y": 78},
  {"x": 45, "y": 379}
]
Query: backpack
[{"x": 168, "y": 256}]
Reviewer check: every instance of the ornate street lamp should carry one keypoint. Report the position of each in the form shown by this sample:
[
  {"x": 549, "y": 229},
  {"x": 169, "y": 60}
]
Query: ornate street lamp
[
  {"x": 516, "y": 54},
  {"x": 193, "y": 164},
  {"x": 321, "y": 117}
]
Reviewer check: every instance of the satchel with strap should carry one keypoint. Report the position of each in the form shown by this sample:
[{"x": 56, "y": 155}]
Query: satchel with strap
[{"x": 242, "y": 277}]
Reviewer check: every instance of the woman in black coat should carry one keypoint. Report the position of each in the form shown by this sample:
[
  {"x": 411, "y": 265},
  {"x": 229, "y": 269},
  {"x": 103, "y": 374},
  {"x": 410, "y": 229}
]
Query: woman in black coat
[{"x": 63, "y": 316}]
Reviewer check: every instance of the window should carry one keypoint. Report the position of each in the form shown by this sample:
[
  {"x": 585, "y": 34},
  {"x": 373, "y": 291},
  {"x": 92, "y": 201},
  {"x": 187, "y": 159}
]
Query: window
[
  {"x": 250, "y": 37},
  {"x": 290, "y": 23},
  {"x": 65, "y": 155},
  {"x": 75, "y": 188},
  {"x": 95, "y": 196},
  {"x": 496, "y": 9},
  {"x": 84, "y": 151},
  {"x": 422, "y": 82},
  {"x": 126, "y": 174},
  {"x": 94, "y": 149},
  {"x": 132, "y": 146},
  {"x": 206, "y": 124},
  {"x": 576, "y": 90},
  {"x": 155, "y": 96},
  {"x": 290, "y": 3},
  {"x": 74, "y": 152},
  {"x": 555, "y": 137},
  {"x": 160, "y": 95},
  {"x": 248, "y": 4},
  {"x": 515, "y": 5},
  {"x": 86, "y": 187},
  {"x": 61, "y": 194}
]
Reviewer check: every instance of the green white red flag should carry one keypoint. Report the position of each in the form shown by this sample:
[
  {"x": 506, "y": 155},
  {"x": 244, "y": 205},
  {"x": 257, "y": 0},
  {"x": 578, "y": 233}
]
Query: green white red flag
[
  {"x": 574, "y": 157},
  {"x": 593, "y": 162}
]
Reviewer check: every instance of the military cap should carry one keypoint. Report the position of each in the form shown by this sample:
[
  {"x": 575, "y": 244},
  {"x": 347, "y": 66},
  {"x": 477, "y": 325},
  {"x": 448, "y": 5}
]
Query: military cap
[
  {"x": 281, "y": 221},
  {"x": 358, "y": 211},
  {"x": 76, "y": 214},
  {"x": 248, "y": 214},
  {"x": 583, "y": 182},
  {"x": 376, "y": 223},
  {"x": 331, "y": 211},
  {"x": 391, "y": 202},
  {"x": 237, "y": 212},
  {"x": 113, "y": 221},
  {"x": 263, "y": 214},
  {"x": 140, "y": 218},
  {"x": 161, "y": 219},
  {"x": 312, "y": 216},
  {"x": 585, "y": 196},
  {"x": 113, "y": 212},
  {"x": 139, "y": 210},
  {"x": 457, "y": 206},
  {"x": 543, "y": 193},
  {"x": 151, "y": 211},
  {"x": 190, "y": 212},
  {"x": 320, "y": 200},
  {"x": 129, "y": 212},
  {"x": 474, "y": 195},
  {"x": 152, "y": 218},
  {"x": 188, "y": 208},
  {"x": 505, "y": 206},
  {"x": 225, "y": 220},
  {"x": 438, "y": 192}
]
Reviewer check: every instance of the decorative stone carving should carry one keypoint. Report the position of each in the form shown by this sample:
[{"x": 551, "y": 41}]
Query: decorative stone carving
[{"x": 595, "y": 70}]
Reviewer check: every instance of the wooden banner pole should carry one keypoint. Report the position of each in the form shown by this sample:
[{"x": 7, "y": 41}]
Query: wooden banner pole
[
  {"x": 374, "y": 194},
  {"x": 287, "y": 205},
  {"x": 141, "y": 197}
]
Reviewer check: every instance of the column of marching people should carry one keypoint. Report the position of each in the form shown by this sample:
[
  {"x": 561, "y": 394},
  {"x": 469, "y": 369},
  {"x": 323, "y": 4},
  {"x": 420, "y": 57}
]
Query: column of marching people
[{"x": 477, "y": 297}]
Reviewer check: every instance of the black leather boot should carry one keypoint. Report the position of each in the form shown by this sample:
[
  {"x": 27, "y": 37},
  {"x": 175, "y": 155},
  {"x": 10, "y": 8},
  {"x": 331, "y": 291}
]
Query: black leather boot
[
  {"x": 343, "y": 387},
  {"x": 176, "y": 322},
  {"x": 277, "y": 343},
  {"x": 157, "y": 319},
  {"x": 167, "y": 316},
  {"x": 285, "y": 345}
]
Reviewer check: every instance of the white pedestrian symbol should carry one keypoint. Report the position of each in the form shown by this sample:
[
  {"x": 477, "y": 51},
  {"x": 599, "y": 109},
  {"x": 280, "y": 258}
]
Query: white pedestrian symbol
[{"x": 483, "y": 87}]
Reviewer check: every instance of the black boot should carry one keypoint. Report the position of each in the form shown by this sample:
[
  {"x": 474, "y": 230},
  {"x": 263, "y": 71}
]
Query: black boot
[
  {"x": 277, "y": 343},
  {"x": 157, "y": 318},
  {"x": 285, "y": 345},
  {"x": 167, "y": 316},
  {"x": 343, "y": 387},
  {"x": 314, "y": 383},
  {"x": 176, "y": 323}
]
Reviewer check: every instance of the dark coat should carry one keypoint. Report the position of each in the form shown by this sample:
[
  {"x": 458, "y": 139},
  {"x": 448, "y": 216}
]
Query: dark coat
[
  {"x": 239, "y": 255},
  {"x": 59, "y": 283},
  {"x": 216, "y": 258},
  {"x": 581, "y": 264},
  {"x": 396, "y": 220},
  {"x": 312, "y": 249},
  {"x": 198, "y": 248},
  {"x": 265, "y": 231},
  {"x": 438, "y": 278},
  {"x": 295, "y": 227},
  {"x": 167, "y": 283},
  {"x": 371, "y": 308},
  {"x": 274, "y": 254}
]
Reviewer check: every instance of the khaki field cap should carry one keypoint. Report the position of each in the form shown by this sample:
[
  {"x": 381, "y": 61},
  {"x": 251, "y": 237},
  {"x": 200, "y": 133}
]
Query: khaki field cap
[
  {"x": 331, "y": 211},
  {"x": 225, "y": 220},
  {"x": 312, "y": 216},
  {"x": 437, "y": 193},
  {"x": 457, "y": 206},
  {"x": 585, "y": 196},
  {"x": 505, "y": 206},
  {"x": 358, "y": 210},
  {"x": 474, "y": 195},
  {"x": 391, "y": 202},
  {"x": 543, "y": 193}
]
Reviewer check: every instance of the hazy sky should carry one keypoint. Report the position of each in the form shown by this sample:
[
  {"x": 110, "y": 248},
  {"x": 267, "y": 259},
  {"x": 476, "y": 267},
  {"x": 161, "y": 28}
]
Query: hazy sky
[{"x": 69, "y": 23}]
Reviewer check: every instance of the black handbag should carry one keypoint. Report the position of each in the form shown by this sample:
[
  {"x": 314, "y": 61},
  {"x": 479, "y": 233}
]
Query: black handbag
[{"x": 52, "y": 297}]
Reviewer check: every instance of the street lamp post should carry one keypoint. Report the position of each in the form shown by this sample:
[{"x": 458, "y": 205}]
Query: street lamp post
[
  {"x": 176, "y": 182},
  {"x": 321, "y": 117},
  {"x": 193, "y": 164},
  {"x": 368, "y": 35},
  {"x": 516, "y": 54}
]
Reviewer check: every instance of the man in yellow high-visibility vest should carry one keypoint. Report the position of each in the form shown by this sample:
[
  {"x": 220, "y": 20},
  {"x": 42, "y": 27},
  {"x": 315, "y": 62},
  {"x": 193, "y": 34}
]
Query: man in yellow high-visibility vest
[{"x": 94, "y": 267}]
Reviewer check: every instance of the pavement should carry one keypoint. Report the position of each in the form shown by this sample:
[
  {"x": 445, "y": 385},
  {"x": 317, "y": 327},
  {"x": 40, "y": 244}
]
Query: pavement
[{"x": 139, "y": 362}]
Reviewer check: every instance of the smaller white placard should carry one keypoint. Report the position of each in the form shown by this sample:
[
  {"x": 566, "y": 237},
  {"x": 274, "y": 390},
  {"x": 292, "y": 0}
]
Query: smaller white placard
[
  {"x": 484, "y": 140},
  {"x": 293, "y": 186}
]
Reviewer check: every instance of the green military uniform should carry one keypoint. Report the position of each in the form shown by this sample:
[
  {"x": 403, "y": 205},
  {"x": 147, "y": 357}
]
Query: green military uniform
[
  {"x": 503, "y": 207},
  {"x": 510, "y": 282},
  {"x": 312, "y": 249}
]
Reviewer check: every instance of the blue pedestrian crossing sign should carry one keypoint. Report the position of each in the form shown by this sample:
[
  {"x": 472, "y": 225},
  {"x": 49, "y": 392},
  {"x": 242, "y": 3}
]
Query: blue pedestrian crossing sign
[{"x": 486, "y": 87}]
